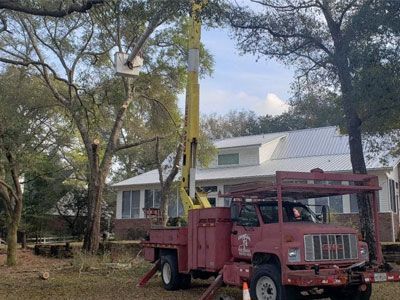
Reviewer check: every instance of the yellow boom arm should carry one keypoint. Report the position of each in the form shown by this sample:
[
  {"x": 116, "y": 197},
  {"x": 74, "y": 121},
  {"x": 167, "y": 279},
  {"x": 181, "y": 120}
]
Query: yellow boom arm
[{"x": 191, "y": 199}]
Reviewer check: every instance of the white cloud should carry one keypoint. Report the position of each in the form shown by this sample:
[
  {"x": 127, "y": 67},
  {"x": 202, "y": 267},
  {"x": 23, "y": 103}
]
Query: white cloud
[
  {"x": 272, "y": 105},
  {"x": 221, "y": 101}
]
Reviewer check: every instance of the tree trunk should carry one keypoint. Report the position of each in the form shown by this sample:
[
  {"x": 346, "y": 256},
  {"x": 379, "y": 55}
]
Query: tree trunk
[
  {"x": 92, "y": 235},
  {"x": 12, "y": 229},
  {"x": 164, "y": 206},
  {"x": 96, "y": 185},
  {"x": 353, "y": 123},
  {"x": 23, "y": 239}
]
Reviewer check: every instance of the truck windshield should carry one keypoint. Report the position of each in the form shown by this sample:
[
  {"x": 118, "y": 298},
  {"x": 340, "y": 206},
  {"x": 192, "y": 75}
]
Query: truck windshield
[{"x": 292, "y": 212}]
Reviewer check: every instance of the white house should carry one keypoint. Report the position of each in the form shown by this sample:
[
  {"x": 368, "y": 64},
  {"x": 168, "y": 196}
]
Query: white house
[{"x": 258, "y": 157}]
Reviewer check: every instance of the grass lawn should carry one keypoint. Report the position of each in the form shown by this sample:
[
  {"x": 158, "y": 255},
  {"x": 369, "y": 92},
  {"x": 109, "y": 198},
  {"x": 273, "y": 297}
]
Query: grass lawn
[{"x": 87, "y": 278}]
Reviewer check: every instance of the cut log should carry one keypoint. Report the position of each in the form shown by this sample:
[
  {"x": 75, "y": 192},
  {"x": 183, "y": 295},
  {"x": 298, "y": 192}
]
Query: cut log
[{"x": 44, "y": 275}]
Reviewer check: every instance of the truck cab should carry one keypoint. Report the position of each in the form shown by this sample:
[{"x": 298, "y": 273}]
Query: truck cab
[{"x": 255, "y": 231}]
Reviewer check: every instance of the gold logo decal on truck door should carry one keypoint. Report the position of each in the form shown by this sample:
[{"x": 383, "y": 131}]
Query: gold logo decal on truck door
[{"x": 244, "y": 247}]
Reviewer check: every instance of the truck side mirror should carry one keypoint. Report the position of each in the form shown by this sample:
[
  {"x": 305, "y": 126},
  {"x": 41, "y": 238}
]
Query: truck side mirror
[
  {"x": 324, "y": 214},
  {"x": 235, "y": 210}
]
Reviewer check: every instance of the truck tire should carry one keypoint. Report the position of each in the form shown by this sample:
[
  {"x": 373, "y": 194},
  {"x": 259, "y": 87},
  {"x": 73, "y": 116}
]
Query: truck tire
[
  {"x": 169, "y": 272},
  {"x": 266, "y": 283},
  {"x": 186, "y": 280},
  {"x": 352, "y": 292}
]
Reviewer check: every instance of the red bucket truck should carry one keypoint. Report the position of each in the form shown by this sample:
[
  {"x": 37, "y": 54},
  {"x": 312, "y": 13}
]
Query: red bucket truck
[{"x": 272, "y": 239}]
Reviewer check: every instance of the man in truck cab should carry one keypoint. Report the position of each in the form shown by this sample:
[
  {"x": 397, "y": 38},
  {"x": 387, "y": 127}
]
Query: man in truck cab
[{"x": 292, "y": 212}]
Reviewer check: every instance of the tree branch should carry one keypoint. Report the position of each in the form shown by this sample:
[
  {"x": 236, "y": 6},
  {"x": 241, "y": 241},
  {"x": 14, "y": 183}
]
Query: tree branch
[
  {"x": 158, "y": 162},
  {"x": 289, "y": 7},
  {"x": 308, "y": 38},
  {"x": 127, "y": 146},
  {"x": 9, "y": 190},
  {"x": 43, "y": 11},
  {"x": 175, "y": 167}
]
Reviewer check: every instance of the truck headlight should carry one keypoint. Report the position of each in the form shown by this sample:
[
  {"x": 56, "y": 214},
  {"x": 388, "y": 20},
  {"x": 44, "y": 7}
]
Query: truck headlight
[
  {"x": 294, "y": 255},
  {"x": 364, "y": 253}
]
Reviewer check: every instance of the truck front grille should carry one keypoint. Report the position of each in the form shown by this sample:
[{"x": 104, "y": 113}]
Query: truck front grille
[{"x": 319, "y": 247}]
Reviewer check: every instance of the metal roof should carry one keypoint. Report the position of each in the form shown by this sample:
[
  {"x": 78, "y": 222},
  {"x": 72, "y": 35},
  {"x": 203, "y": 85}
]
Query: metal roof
[
  {"x": 300, "y": 150},
  {"x": 312, "y": 142},
  {"x": 250, "y": 140},
  {"x": 331, "y": 163}
]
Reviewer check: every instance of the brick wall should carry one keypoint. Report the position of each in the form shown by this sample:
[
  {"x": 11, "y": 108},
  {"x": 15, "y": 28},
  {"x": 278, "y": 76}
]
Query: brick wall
[
  {"x": 385, "y": 219},
  {"x": 130, "y": 229}
]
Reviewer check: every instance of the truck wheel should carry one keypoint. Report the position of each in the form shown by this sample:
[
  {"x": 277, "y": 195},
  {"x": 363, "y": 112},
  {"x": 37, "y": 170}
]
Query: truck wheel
[
  {"x": 186, "y": 280},
  {"x": 352, "y": 292},
  {"x": 266, "y": 283},
  {"x": 169, "y": 272},
  {"x": 365, "y": 295}
]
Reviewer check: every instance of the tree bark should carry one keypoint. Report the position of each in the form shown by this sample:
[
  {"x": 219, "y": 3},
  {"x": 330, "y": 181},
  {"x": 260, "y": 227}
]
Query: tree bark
[
  {"x": 353, "y": 124},
  {"x": 92, "y": 235},
  {"x": 96, "y": 186},
  {"x": 12, "y": 229},
  {"x": 12, "y": 199},
  {"x": 164, "y": 207}
]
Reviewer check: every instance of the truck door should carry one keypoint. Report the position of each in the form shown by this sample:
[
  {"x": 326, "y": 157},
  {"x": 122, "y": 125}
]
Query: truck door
[{"x": 246, "y": 232}]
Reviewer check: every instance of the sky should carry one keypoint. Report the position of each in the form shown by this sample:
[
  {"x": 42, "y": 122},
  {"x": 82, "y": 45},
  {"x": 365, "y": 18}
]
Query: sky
[{"x": 240, "y": 82}]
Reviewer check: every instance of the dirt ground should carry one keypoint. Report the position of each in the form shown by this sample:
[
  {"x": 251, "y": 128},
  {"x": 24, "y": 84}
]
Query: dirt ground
[{"x": 83, "y": 278}]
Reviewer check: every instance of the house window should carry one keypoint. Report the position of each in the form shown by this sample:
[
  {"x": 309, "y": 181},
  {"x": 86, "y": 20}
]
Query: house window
[
  {"x": 227, "y": 201},
  {"x": 157, "y": 199},
  {"x": 353, "y": 203},
  {"x": 228, "y": 159},
  {"x": 209, "y": 189},
  {"x": 335, "y": 203},
  {"x": 152, "y": 199},
  {"x": 148, "y": 198},
  {"x": 212, "y": 201},
  {"x": 130, "y": 204},
  {"x": 392, "y": 194},
  {"x": 126, "y": 205},
  {"x": 175, "y": 207},
  {"x": 211, "y": 193},
  {"x": 319, "y": 202},
  {"x": 135, "y": 204}
]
